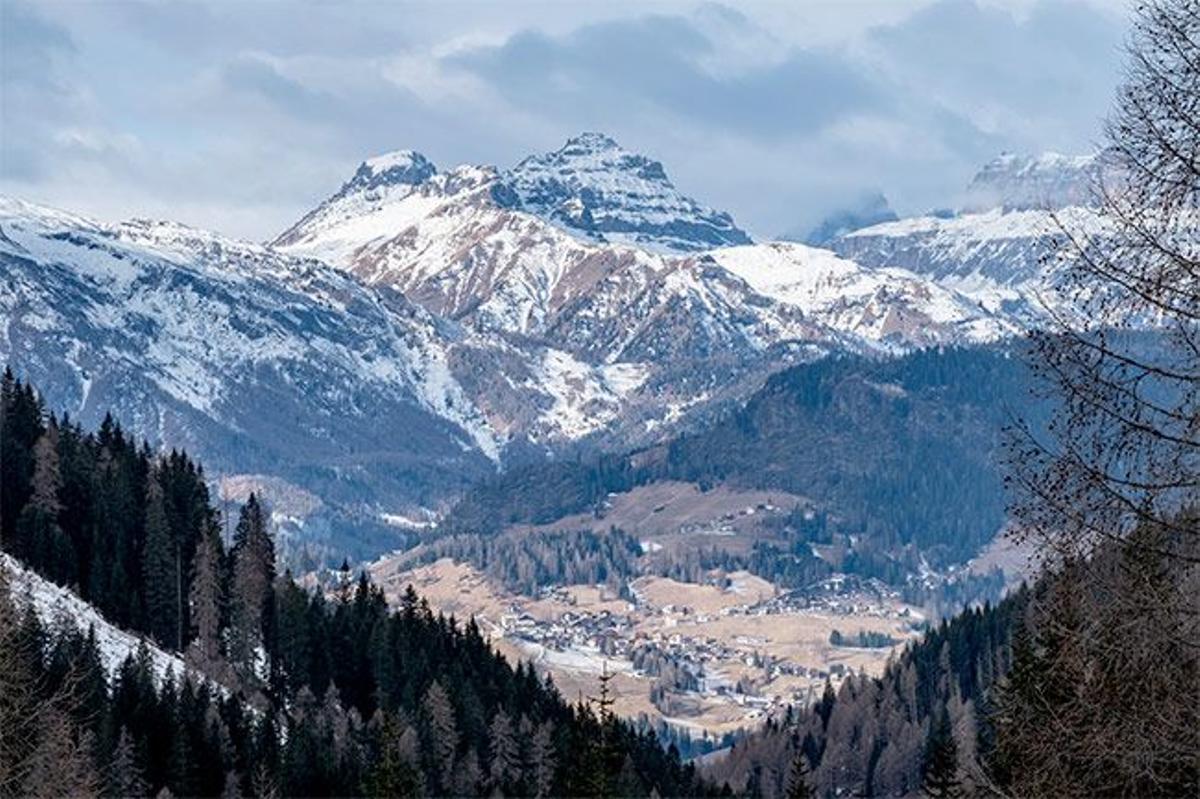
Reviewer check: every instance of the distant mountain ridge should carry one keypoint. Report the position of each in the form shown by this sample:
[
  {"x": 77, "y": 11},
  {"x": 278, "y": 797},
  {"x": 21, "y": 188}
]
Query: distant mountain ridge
[
  {"x": 998, "y": 249},
  {"x": 870, "y": 209},
  {"x": 1048, "y": 181}
]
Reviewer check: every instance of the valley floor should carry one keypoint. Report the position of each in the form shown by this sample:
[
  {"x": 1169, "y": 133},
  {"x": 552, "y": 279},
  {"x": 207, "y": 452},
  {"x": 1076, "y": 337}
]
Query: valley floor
[{"x": 706, "y": 660}]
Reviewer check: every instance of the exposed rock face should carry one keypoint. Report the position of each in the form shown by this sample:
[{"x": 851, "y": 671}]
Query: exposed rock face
[
  {"x": 1028, "y": 183},
  {"x": 255, "y": 361},
  {"x": 998, "y": 250},
  {"x": 421, "y": 328},
  {"x": 593, "y": 186}
]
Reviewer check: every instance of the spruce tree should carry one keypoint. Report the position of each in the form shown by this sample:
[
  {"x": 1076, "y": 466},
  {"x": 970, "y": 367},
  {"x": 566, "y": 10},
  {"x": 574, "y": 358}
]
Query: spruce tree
[
  {"x": 125, "y": 776},
  {"x": 798, "y": 786},
  {"x": 253, "y": 576},
  {"x": 504, "y": 764},
  {"x": 204, "y": 600},
  {"x": 441, "y": 733},
  {"x": 160, "y": 564},
  {"x": 39, "y": 535},
  {"x": 543, "y": 761},
  {"x": 940, "y": 778},
  {"x": 396, "y": 772}
]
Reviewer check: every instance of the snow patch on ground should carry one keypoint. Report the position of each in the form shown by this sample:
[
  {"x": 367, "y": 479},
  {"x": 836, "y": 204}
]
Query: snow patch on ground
[{"x": 56, "y": 606}]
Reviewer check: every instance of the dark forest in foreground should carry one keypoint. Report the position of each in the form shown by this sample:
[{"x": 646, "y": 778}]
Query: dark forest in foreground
[{"x": 301, "y": 694}]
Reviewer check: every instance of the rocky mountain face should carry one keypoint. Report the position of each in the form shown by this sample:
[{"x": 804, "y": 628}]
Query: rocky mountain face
[
  {"x": 1026, "y": 183},
  {"x": 259, "y": 362},
  {"x": 883, "y": 304},
  {"x": 625, "y": 339},
  {"x": 297, "y": 379},
  {"x": 594, "y": 186},
  {"x": 998, "y": 250},
  {"x": 460, "y": 244}
]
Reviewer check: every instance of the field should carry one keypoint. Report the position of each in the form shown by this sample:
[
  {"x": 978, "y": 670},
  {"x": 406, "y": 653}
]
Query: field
[{"x": 677, "y": 514}]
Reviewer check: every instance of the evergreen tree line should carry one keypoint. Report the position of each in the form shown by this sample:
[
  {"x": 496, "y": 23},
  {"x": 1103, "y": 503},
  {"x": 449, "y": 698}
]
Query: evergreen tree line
[
  {"x": 287, "y": 691},
  {"x": 1087, "y": 685},
  {"x": 527, "y": 561},
  {"x": 125, "y": 528}
]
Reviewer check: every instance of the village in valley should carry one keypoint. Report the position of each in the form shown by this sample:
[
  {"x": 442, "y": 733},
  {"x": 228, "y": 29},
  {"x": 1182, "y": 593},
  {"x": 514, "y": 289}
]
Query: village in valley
[{"x": 707, "y": 659}]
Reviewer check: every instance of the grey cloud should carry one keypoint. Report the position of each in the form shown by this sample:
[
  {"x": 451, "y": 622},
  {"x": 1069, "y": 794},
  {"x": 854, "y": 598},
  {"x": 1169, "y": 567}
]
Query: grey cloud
[
  {"x": 34, "y": 94},
  {"x": 654, "y": 64},
  {"x": 1053, "y": 72},
  {"x": 260, "y": 79},
  {"x": 270, "y": 105}
]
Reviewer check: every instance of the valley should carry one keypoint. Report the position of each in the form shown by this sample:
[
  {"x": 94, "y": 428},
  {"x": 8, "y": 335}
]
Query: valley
[
  {"x": 541, "y": 400},
  {"x": 706, "y": 659},
  {"x": 581, "y": 408}
]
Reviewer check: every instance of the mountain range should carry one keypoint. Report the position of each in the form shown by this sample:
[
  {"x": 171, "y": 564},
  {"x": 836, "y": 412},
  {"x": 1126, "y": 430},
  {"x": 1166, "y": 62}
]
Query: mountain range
[{"x": 422, "y": 329}]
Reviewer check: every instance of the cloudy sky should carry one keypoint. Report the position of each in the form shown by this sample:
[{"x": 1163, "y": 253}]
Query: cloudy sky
[{"x": 239, "y": 116}]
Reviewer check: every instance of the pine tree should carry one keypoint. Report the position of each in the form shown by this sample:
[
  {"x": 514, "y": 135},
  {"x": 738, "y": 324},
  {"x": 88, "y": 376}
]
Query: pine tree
[
  {"x": 125, "y": 776},
  {"x": 543, "y": 760},
  {"x": 504, "y": 764},
  {"x": 441, "y": 732},
  {"x": 39, "y": 534},
  {"x": 20, "y": 427},
  {"x": 940, "y": 780},
  {"x": 798, "y": 787},
  {"x": 602, "y": 756},
  {"x": 61, "y": 763},
  {"x": 20, "y": 706},
  {"x": 396, "y": 772},
  {"x": 467, "y": 775},
  {"x": 253, "y": 576},
  {"x": 204, "y": 600},
  {"x": 160, "y": 566}
]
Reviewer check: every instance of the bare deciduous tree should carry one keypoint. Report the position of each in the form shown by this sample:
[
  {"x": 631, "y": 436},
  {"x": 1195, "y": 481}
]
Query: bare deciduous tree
[
  {"x": 1104, "y": 697},
  {"x": 1124, "y": 450}
]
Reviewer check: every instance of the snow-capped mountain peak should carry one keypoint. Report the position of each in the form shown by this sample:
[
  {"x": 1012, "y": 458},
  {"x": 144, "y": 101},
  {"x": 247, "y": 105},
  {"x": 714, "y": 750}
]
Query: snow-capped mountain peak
[
  {"x": 1027, "y": 182},
  {"x": 389, "y": 169},
  {"x": 377, "y": 182},
  {"x": 592, "y": 185}
]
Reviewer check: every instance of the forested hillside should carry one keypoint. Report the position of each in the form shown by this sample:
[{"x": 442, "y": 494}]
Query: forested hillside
[
  {"x": 304, "y": 694},
  {"x": 896, "y": 451},
  {"x": 875, "y": 736},
  {"x": 1006, "y": 700}
]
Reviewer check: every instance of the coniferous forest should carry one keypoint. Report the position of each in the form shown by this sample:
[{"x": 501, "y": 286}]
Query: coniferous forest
[{"x": 288, "y": 691}]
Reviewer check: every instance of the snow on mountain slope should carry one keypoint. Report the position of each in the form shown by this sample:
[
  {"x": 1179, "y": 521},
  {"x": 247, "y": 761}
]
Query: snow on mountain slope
[
  {"x": 263, "y": 363},
  {"x": 998, "y": 249},
  {"x": 449, "y": 245},
  {"x": 1025, "y": 183},
  {"x": 997, "y": 258},
  {"x": 255, "y": 361},
  {"x": 592, "y": 185},
  {"x": 453, "y": 244},
  {"x": 563, "y": 307},
  {"x": 883, "y": 304},
  {"x": 56, "y": 606}
]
